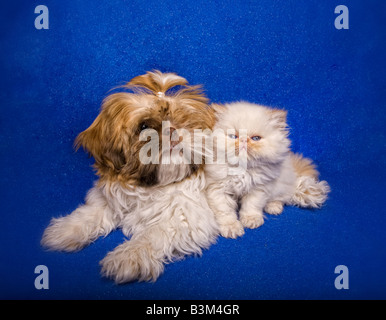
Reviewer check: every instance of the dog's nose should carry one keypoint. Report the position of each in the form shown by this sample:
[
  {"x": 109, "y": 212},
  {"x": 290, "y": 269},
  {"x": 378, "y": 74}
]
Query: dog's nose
[
  {"x": 173, "y": 135},
  {"x": 169, "y": 131},
  {"x": 175, "y": 138}
]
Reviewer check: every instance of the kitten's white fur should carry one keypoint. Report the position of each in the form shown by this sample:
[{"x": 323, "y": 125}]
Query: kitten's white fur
[{"x": 274, "y": 176}]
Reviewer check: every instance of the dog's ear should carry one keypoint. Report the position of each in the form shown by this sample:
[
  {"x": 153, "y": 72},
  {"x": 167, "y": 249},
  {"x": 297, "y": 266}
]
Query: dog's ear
[
  {"x": 102, "y": 143},
  {"x": 218, "y": 108},
  {"x": 90, "y": 139}
]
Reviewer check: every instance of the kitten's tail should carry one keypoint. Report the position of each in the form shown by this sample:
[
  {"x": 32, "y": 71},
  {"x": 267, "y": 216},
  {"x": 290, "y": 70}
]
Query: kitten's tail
[{"x": 309, "y": 192}]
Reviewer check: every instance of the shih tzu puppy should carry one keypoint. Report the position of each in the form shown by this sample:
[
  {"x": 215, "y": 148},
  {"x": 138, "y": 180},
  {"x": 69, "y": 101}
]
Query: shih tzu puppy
[{"x": 140, "y": 141}]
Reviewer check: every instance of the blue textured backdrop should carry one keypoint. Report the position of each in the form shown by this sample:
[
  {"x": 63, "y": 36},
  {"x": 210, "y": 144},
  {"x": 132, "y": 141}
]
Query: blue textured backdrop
[{"x": 283, "y": 53}]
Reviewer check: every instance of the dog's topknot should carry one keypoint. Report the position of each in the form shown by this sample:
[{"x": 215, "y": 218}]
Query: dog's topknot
[{"x": 157, "y": 82}]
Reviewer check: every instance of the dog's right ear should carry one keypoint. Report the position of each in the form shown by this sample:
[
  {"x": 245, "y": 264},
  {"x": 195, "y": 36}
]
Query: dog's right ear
[
  {"x": 103, "y": 142},
  {"x": 91, "y": 139}
]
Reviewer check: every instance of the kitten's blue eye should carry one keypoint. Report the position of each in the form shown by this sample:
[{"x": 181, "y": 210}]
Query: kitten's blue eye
[
  {"x": 256, "y": 138},
  {"x": 232, "y": 136}
]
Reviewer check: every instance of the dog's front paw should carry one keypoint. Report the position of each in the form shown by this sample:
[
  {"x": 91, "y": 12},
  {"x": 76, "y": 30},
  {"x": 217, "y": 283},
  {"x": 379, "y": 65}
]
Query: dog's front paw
[
  {"x": 274, "y": 207},
  {"x": 251, "y": 221},
  {"x": 130, "y": 263},
  {"x": 64, "y": 235},
  {"x": 232, "y": 230}
]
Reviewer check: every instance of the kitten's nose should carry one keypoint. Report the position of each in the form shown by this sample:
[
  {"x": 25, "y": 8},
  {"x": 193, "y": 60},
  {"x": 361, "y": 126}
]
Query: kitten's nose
[{"x": 243, "y": 139}]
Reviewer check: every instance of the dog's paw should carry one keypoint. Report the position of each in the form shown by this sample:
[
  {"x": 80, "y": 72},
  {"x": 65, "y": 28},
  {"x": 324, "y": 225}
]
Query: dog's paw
[
  {"x": 274, "y": 207},
  {"x": 126, "y": 264},
  {"x": 251, "y": 221},
  {"x": 63, "y": 235},
  {"x": 232, "y": 230}
]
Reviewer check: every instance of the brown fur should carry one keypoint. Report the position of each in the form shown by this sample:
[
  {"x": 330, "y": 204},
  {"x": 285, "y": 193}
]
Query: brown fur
[
  {"x": 303, "y": 166},
  {"x": 153, "y": 82},
  {"x": 113, "y": 138}
]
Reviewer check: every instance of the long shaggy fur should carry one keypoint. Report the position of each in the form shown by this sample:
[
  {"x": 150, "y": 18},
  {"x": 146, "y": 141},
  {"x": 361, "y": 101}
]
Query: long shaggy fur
[{"x": 160, "y": 206}]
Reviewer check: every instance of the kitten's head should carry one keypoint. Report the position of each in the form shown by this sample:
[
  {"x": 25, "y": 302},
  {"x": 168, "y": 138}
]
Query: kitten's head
[{"x": 253, "y": 133}]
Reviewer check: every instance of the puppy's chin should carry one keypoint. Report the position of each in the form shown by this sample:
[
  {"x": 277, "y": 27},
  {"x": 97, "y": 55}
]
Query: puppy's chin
[
  {"x": 175, "y": 166},
  {"x": 170, "y": 173}
]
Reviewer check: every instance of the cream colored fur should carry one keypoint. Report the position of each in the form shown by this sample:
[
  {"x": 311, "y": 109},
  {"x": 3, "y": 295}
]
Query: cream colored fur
[
  {"x": 272, "y": 178},
  {"x": 164, "y": 224}
]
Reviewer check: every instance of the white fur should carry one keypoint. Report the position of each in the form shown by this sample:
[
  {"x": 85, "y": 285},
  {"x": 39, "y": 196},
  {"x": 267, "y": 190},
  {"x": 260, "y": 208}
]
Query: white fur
[
  {"x": 255, "y": 188},
  {"x": 269, "y": 180},
  {"x": 164, "y": 224}
]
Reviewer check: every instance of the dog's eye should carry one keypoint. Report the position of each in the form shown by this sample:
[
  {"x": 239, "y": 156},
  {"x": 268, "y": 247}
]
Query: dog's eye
[
  {"x": 143, "y": 126},
  {"x": 232, "y": 136},
  {"x": 256, "y": 138}
]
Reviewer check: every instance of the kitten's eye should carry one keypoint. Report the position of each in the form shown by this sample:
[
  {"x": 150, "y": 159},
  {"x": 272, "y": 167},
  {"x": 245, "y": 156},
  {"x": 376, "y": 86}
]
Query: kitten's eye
[
  {"x": 256, "y": 138},
  {"x": 232, "y": 136}
]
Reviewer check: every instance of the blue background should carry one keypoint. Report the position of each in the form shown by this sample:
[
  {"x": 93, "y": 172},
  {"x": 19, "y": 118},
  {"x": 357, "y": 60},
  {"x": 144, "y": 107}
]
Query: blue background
[{"x": 284, "y": 53}]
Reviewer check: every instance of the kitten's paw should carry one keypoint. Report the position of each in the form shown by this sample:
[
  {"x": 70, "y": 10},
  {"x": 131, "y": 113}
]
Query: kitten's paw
[
  {"x": 126, "y": 264},
  {"x": 232, "y": 230},
  {"x": 274, "y": 207},
  {"x": 252, "y": 221}
]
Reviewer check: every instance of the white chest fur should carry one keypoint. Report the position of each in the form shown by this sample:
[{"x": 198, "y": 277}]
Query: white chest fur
[{"x": 179, "y": 209}]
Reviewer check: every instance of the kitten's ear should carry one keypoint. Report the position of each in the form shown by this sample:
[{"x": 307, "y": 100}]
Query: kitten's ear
[{"x": 279, "y": 118}]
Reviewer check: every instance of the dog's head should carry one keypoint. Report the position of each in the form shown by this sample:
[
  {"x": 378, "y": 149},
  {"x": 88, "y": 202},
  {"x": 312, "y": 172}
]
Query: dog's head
[{"x": 132, "y": 126}]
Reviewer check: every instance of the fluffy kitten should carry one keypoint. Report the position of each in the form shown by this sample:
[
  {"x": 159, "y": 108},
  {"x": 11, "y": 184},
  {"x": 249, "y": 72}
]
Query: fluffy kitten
[{"x": 259, "y": 173}]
